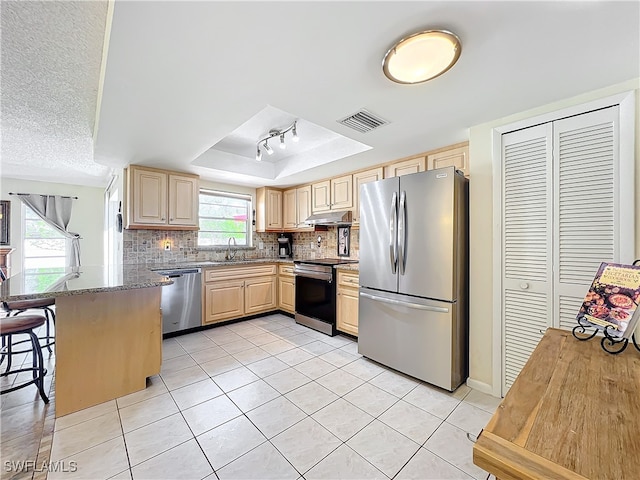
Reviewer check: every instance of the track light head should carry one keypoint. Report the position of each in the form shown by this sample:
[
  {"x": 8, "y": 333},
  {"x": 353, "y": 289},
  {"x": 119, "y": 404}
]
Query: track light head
[
  {"x": 267, "y": 148},
  {"x": 294, "y": 130},
  {"x": 282, "y": 144},
  {"x": 258, "y": 154}
]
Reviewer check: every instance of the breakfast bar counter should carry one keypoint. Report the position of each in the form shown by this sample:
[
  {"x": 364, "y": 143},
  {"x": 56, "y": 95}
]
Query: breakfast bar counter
[
  {"x": 572, "y": 413},
  {"x": 108, "y": 329}
]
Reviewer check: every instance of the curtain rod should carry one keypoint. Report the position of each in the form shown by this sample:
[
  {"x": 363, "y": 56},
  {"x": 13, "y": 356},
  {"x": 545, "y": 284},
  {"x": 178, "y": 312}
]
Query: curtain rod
[{"x": 43, "y": 195}]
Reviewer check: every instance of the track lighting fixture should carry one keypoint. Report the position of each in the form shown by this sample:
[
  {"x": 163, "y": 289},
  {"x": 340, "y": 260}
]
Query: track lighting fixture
[{"x": 263, "y": 143}]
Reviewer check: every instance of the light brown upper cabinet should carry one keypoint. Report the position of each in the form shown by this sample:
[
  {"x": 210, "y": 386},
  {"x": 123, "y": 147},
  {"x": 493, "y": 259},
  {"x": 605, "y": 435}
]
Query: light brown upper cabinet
[
  {"x": 160, "y": 199},
  {"x": 361, "y": 178},
  {"x": 457, "y": 157},
  {"x": 290, "y": 209},
  {"x": 405, "y": 167},
  {"x": 334, "y": 194},
  {"x": 268, "y": 210},
  {"x": 296, "y": 209},
  {"x": 303, "y": 207}
]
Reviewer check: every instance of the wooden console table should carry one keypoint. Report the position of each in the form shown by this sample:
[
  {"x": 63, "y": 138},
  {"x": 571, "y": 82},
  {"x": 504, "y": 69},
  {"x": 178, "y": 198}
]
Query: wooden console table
[{"x": 572, "y": 413}]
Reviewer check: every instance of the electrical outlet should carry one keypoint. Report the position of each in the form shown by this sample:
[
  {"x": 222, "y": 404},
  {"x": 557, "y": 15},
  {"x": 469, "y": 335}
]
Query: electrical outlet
[
  {"x": 312, "y": 246},
  {"x": 167, "y": 246},
  {"x": 261, "y": 246}
]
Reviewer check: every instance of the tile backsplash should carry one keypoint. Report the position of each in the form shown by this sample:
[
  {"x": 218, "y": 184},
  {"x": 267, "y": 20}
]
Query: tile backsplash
[{"x": 148, "y": 246}]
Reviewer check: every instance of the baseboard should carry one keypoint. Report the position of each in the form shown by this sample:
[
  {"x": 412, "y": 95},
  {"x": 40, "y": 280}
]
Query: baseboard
[{"x": 480, "y": 386}]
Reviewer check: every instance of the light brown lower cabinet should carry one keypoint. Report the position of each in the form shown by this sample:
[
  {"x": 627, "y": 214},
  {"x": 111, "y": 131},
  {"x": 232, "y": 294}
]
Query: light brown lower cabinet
[
  {"x": 347, "y": 302},
  {"x": 235, "y": 292},
  {"x": 286, "y": 289}
]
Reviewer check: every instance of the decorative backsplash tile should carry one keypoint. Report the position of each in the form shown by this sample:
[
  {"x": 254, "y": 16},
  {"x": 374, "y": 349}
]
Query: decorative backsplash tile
[{"x": 148, "y": 246}]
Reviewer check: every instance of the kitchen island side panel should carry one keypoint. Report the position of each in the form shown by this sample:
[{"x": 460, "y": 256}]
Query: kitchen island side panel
[{"x": 107, "y": 344}]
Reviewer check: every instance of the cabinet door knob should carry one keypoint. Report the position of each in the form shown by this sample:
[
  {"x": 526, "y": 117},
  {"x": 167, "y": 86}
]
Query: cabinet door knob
[
  {"x": 171, "y": 219},
  {"x": 524, "y": 285},
  {"x": 163, "y": 219}
]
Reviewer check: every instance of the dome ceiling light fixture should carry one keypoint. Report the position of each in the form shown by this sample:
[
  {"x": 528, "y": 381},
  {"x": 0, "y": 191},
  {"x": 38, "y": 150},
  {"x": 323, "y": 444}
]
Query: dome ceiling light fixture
[
  {"x": 421, "y": 56},
  {"x": 276, "y": 132}
]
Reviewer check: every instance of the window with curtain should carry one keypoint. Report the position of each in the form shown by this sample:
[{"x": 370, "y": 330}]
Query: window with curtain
[
  {"x": 44, "y": 247},
  {"x": 222, "y": 216}
]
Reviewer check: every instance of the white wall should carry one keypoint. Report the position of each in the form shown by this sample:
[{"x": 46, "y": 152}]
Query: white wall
[
  {"x": 87, "y": 217},
  {"x": 481, "y": 225}
]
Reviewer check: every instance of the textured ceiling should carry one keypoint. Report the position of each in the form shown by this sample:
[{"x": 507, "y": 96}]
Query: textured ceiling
[
  {"x": 50, "y": 67},
  {"x": 182, "y": 76}
]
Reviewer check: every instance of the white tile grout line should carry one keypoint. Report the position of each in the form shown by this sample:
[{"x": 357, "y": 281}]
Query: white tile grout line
[{"x": 283, "y": 395}]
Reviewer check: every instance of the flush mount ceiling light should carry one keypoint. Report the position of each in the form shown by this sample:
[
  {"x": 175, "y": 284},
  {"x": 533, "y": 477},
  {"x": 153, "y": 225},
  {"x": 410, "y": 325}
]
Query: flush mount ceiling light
[
  {"x": 421, "y": 56},
  {"x": 275, "y": 132}
]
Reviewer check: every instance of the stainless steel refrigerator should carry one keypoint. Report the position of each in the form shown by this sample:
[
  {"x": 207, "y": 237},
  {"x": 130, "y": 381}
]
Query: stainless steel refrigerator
[{"x": 413, "y": 308}]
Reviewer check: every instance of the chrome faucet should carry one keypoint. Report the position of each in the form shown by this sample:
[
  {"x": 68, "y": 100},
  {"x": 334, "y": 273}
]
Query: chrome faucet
[{"x": 229, "y": 256}]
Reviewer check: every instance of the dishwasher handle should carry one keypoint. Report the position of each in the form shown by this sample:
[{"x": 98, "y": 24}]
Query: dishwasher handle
[{"x": 177, "y": 273}]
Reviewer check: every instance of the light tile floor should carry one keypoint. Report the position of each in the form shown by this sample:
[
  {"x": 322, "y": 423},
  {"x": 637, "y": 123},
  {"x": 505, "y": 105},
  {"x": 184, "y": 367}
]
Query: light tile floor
[{"x": 263, "y": 398}]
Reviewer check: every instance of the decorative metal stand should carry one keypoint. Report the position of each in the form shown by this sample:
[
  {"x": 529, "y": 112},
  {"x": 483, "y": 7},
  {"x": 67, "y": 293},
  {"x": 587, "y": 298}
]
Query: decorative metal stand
[{"x": 609, "y": 343}]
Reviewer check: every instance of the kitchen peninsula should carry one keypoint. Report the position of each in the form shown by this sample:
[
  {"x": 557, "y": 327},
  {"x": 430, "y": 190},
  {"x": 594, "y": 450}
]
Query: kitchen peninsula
[{"x": 108, "y": 329}]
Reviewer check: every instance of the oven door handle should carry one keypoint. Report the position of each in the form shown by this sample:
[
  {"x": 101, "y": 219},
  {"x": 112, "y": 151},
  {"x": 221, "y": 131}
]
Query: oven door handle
[{"x": 327, "y": 277}]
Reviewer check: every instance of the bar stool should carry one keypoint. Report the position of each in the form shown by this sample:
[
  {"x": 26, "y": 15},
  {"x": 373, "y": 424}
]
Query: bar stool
[
  {"x": 19, "y": 306},
  {"x": 24, "y": 324}
]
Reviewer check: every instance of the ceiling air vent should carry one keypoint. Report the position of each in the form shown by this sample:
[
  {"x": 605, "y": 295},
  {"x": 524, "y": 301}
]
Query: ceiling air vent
[{"x": 363, "y": 121}]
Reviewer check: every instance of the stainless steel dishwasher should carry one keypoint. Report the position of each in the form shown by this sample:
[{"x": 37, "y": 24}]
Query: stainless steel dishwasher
[{"x": 182, "y": 301}]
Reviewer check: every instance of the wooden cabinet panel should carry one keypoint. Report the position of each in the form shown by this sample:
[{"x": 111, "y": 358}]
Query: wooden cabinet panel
[
  {"x": 457, "y": 157},
  {"x": 241, "y": 271},
  {"x": 183, "y": 200},
  {"x": 347, "y": 302},
  {"x": 286, "y": 289},
  {"x": 287, "y": 294},
  {"x": 223, "y": 300},
  {"x": 303, "y": 207},
  {"x": 259, "y": 295},
  {"x": 321, "y": 196},
  {"x": 334, "y": 194},
  {"x": 289, "y": 209},
  {"x": 405, "y": 167},
  {"x": 149, "y": 196},
  {"x": 361, "y": 178},
  {"x": 234, "y": 292},
  {"x": 274, "y": 210},
  {"x": 268, "y": 210},
  {"x": 342, "y": 193},
  {"x": 162, "y": 200},
  {"x": 296, "y": 209},
  {"x": 285, "y": 270}
]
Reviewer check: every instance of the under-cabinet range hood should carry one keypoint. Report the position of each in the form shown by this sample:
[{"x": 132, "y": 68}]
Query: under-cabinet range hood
[{"x": 330, "y": 218}]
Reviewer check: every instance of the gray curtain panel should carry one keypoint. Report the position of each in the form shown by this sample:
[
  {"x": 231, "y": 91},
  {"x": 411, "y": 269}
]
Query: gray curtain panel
[{"x": 56, "y": 211}]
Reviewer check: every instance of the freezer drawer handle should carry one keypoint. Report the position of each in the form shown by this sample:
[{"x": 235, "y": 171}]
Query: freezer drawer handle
[
  {"x": 393, "y": 223},
  {"x": 405, "y": 304}
]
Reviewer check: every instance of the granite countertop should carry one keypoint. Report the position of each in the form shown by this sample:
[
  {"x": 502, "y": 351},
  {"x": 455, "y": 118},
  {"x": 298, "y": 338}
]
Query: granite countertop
[
  {"x": 348, "y": 266},
  {"x": 29, "y": 285},
  {"x": 204, "y": 264}
]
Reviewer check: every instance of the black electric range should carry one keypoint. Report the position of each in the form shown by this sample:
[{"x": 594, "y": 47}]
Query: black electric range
[{"x": 316, "y": 293}]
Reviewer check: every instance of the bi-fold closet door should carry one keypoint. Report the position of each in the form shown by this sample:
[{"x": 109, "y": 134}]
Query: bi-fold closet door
[{"x": 562, "y": 214}]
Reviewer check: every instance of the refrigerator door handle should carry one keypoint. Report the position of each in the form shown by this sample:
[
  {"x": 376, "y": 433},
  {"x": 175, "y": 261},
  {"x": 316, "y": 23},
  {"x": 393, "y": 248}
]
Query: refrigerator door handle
[
  {"x": 404, "y": 304},
  {"x": 393, "y": 223},
  {"x": 402, "y": 232}
]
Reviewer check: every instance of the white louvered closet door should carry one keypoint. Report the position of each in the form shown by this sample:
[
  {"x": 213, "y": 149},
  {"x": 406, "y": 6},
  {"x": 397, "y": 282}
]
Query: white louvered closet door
[
  {"x": 586, "y": 206},
  {"x": 527, "y": 237}
]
